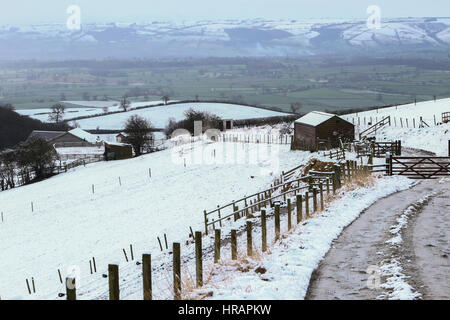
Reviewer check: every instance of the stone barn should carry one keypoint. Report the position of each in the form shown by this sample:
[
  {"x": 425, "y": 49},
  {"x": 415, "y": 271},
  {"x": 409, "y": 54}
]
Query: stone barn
[{"x": 317, "y": 129}]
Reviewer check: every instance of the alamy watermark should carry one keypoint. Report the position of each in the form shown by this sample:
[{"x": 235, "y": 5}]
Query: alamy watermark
[
  {"x": 374, "y": 20},
  {"x": 263, "y": 155},
  {"x": 74, "y": 20}
]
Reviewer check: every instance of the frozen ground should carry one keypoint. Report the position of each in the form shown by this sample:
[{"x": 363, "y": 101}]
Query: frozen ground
[
  {"x": 285, "y": 272},
  {"x": 159, "y": 116},
  {"x": 83, "y": 108},
  {"x": 397, "y": 249},
  {"x": 428, "y": 110},
  {"x": 70, "y": 224}
]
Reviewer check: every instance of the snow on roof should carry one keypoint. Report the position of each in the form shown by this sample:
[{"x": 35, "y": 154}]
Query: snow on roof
[
  {"x": 80, "y": 133},
  {"x": 46, "y": 135},
  {"x": 315, "y": 118}
]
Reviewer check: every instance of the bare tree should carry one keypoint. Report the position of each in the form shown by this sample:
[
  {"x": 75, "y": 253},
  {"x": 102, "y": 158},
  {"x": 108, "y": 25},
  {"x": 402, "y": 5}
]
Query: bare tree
[
  {"x": 124, "y": 103},
  {"x": 138, "y": 132},
  {"x": 295, "y": 107},
  {"x": 165, "y": 98},
  {"x": 57, "y": 114}
]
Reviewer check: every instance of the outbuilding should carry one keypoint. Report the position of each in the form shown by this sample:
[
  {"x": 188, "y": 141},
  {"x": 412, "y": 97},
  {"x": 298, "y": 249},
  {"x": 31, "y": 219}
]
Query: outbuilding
[
  {"x": 320, "y": 128},
  {"x": 118, "y": 151}
]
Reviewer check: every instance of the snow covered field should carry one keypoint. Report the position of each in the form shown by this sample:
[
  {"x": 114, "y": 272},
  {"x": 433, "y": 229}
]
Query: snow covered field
[
  {"x": 428, "y": 110},
  {"x": 159, "y": 116},
  {"x": 432, "y": 138},
  {"x": 70, "y": 224},
  {"x": 86, "y": 108}
]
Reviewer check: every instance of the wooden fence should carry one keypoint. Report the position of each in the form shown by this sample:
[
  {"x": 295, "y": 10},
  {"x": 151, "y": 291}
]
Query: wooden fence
[
  {"x": 338, "y": 154},
  {"x": 445, "y": 117},
  {"x": 253, "y": 203},
  {"x": 399, "y": 122},
  {"x": 378, "y": 149},
  {"x": 299, "y": 205},
  {"x": 374, "y": 128},
  {"x": 418, "y": 167},
  {"x": 256, "y": 138}
]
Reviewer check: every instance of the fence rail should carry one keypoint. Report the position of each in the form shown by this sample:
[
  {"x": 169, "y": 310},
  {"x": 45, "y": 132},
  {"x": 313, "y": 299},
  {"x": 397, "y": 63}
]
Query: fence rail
[
  {"x": 377, "y": 126},
  {"x": 418, "y": 167},
  {"x": 378, "y": 149},
  {"x": 256, "y": 138},
  {"x": 252, "y": 203},
  {"x": 338, "y": 154}
]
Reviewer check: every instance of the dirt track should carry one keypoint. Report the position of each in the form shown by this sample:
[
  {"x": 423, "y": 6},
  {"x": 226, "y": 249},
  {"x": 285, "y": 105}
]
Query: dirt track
[{"x": 423, "y": 254}]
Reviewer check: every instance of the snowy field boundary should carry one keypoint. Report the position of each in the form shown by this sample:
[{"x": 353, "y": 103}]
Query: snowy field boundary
[{"x": 285, "y": 273}]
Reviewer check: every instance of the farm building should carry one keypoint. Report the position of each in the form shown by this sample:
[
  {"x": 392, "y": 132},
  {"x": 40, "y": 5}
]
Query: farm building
[
  {"x": 118, "y": 151},
  {"x": 74, "y": 144},
  {"x": 320, "y": 128}
]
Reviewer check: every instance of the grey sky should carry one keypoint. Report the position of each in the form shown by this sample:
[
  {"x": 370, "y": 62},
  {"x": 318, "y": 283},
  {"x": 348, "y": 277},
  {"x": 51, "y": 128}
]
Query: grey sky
[{"x": 43, "y": 11}]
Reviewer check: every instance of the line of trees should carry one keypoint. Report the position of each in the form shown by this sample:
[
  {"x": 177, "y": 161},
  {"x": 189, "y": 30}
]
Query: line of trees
[
  {"x": 31, "y": 160},
  {"x": 15, "y": 128}
]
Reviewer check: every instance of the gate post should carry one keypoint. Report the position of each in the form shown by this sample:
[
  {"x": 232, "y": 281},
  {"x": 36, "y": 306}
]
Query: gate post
[{"x": 388, "y": 164}]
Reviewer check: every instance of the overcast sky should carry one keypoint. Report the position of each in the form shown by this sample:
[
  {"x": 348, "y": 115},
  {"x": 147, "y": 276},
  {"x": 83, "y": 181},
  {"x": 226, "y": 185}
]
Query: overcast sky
[{"x": 43, "y": 11}]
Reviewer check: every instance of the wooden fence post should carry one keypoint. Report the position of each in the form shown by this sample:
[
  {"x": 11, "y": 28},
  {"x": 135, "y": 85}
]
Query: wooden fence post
[
  {"x": 147, "y": 275},
  {"x": 263, "y": 230},
  {"x": 236, "y": 214},
  {"x": 217, "y": 246},
  {"x": 113, "y": 274},
  {"x": 321, "y": 196},
  {"x": 249, "y": 239},
  {"x": 71, "y": 291},
  {"x": 289, "y": 208},
  {"x": 299, "y": 208},
  {"x": 233, "y": 245},
  {"x": 198, "y": 259},
  {"x": 388, "y": 164},
  {"x": 277, "y": 221},
  {"x": 314, "y": 199},
  {"x": 206, "y": 222},
  {"x": 306, "y": 204},
  {"x": 176, "y": 271}
]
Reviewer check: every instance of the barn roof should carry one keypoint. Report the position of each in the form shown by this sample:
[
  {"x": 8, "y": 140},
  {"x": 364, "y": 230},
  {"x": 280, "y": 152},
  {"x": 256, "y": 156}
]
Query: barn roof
[
  {"x": 84, "y": 135},
  {"x": 315, "y": 118},
  {"x": 46, "y": 135}
]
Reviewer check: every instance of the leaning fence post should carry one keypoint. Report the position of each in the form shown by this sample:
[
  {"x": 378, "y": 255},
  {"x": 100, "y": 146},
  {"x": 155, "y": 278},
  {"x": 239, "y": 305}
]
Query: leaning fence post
[
  {"x": 206, "y": 222},
  {"x": 289, "y": 213},
  {"x": 263, "y": 230},
  {"x": 113, "y": 274},
  {"x": 249, "y": 239},
  {"x": 147, "y": 275},
  {"x": 299, "y": 208},
  {"x": 233, "y": 245},
  {"x": 277, "y": 221},
  {"x": 176, "y": 271},
  {"x": 71, "y": 291},
  {"x": 198, "y": 259},
  {"x": 217, "y": 246}
]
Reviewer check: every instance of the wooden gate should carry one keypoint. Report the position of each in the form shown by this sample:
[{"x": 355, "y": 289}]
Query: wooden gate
[{"x": 418, "y": 167}]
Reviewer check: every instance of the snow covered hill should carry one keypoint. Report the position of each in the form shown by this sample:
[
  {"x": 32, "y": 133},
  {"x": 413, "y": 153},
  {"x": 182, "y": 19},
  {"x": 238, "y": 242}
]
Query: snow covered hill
[
  {"x": 160, "y": 115},
  {"x": 405, "y": 125},
  {"x": 252, "y": 37},
  {"x": 70, "y": 224}
]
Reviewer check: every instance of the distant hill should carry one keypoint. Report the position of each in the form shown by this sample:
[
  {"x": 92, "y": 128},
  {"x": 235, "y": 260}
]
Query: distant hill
[
  {"x": 15, "y": 128},
  {"x": 227, "y": 38}
]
